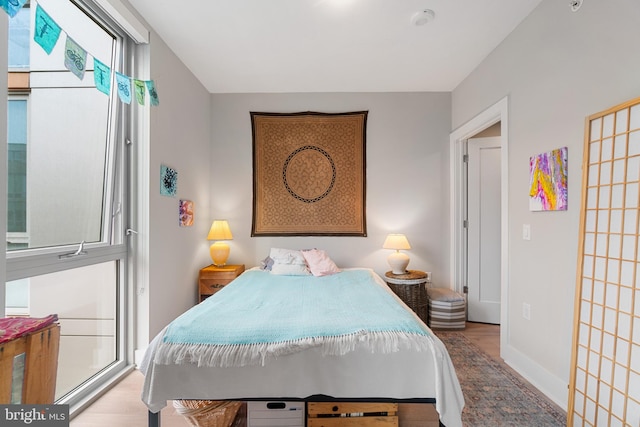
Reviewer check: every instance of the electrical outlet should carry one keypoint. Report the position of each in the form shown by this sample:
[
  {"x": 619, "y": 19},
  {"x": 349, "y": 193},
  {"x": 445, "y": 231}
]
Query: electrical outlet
[
  {"x": 526, "y": 311},
  {"x": 428, "y": 276}
]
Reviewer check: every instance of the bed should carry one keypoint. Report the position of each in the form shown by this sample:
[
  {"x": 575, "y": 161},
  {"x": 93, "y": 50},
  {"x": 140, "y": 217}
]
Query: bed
[{"x": 344, "y": 336}]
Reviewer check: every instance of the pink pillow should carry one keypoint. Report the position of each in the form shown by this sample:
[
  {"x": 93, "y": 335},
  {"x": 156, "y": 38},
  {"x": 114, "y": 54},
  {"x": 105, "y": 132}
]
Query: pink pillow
[{"x": 319, "y": 262}]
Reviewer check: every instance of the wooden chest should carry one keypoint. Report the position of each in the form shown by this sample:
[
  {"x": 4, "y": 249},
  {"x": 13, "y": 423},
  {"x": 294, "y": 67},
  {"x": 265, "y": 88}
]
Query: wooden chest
[
  {"x": 352, "y": 414},
  {"x": 28, "y": 367}
]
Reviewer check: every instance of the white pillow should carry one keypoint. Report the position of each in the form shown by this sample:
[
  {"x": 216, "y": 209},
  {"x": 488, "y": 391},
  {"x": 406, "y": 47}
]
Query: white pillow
[
  {"x": 290, "y": 269},
  {"x": 288, "y": 262},
  {"x": 286, "y": 256}
]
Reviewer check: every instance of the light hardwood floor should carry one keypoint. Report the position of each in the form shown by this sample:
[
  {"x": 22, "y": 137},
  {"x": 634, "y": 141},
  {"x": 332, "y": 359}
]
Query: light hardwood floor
[{"x": 121, "y": 406}]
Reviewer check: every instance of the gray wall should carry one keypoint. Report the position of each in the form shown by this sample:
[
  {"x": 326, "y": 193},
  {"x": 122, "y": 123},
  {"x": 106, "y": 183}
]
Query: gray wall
[
  {"x": 179, "y": 137},
  {"x": 407, "y": 175},
  {"x": 557, "y": 68}
]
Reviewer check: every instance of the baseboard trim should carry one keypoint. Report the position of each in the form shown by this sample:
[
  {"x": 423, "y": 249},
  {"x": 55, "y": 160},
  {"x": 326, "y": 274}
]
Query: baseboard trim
[{"x": 550, "y": 385}]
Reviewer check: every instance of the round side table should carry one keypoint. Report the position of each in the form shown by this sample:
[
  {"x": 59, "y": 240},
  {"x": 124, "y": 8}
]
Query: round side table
[{"x": 411, "y": 288}]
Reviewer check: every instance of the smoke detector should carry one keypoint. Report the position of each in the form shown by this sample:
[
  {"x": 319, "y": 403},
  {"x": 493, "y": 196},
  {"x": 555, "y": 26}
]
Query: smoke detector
[
  {"x": 423, "y": 17},
  {"x": 575, "y": 5}
]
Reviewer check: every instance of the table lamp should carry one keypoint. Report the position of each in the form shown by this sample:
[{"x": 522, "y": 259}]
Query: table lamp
[
  {"x": 397, "y": 260},
  {"x": 219, "y": 250}
]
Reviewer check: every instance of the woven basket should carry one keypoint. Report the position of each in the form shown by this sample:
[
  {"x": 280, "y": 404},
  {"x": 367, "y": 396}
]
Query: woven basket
[
  {"x": 415, "y": 296},
  {"x": 208, "y": 413}
]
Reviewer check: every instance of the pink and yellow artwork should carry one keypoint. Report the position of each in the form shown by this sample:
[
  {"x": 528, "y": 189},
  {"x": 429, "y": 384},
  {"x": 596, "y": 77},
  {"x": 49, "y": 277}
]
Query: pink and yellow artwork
[
  {"x": 186, "y": 213},
  {"x": 548, "y": 181}
]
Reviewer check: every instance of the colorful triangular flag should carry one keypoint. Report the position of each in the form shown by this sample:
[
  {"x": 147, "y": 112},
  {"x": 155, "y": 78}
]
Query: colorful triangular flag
[
  {"x": 153, "y": 94},
  {"x": 124, "y": 87},
  {"x": 75, "y": 58},
  {"x": 12, "y": 6},
  {"x": 47, "y": 31},
  {"x": 140, "y": 89}
]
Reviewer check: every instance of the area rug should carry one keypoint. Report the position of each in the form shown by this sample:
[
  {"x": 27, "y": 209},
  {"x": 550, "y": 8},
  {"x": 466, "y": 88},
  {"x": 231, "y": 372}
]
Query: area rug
[
  {"x": 493, "y": 395},
  {"x": 309, "y": 174}
]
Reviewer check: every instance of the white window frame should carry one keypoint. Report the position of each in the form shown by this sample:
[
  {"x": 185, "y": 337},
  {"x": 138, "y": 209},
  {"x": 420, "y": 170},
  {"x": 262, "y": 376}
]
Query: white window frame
[{"x": 33, "y": 262}]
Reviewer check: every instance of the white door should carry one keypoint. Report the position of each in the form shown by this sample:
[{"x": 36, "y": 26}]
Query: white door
[{"x": 483, "y": 204}]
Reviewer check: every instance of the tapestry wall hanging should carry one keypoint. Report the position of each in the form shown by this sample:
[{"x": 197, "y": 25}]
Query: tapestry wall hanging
[{"x": 309, "y": 174}]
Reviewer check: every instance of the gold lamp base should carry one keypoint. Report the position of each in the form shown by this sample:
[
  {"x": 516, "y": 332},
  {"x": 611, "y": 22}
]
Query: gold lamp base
[{"x": 219, "y": 252}]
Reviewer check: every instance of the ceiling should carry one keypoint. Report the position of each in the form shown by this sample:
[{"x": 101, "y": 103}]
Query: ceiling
[{"x": 255, "y": 46}]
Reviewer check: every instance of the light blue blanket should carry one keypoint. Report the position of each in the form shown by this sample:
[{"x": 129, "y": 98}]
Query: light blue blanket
[{"x": 262, "y": 315}]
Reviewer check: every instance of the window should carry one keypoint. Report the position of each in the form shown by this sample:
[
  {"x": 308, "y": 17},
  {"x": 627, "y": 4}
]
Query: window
[
  {"x": 17, "y": 170},
  {"x": 19, "y": 36},
  {"x": 67, "y": 198}
]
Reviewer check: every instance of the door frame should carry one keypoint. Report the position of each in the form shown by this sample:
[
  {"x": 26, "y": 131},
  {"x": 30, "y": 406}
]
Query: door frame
[{"x": 498, "y": 112}]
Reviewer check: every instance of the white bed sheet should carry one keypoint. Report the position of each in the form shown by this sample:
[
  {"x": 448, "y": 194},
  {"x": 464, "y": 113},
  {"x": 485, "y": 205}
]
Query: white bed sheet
[{"x": 361, "y": 374}]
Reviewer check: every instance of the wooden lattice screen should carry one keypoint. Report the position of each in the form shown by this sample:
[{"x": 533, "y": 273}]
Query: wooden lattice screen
[{"x": 605, "y": 375}]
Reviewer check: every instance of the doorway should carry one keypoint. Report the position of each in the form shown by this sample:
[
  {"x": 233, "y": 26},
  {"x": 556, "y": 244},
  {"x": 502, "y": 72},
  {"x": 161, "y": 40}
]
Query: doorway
[
  {"x": 483, "y": 227},
  {"x": 495, "y": 114}
]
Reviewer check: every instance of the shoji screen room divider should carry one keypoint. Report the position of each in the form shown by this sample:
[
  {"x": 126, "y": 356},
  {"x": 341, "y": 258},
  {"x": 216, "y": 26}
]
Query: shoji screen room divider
[{"x": 605, "y": 378}]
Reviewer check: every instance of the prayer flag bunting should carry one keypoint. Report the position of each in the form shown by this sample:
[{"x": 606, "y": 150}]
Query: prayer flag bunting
[
  {"x": 124, "y": 87},
  {"x": 153, "y": 95},
  {"x": 102, "y": 76},
  {"x": 12, "y": 6},
  {"x": 47, "y": 31},
  {"x": 75, "y": 58},
  {"x": 46, "y": 34},
  {"x": 140, "y": 90}
]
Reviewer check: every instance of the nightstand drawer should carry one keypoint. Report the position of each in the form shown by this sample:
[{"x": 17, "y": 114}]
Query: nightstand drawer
[
  {"x": 212, "y": 278},
  {"x": 211, "y": 286},
  {"x": 222, "y": 275}
]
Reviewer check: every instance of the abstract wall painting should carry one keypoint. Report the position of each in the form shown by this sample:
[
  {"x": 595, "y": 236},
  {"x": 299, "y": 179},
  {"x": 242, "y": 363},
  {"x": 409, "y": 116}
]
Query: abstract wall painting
[
  {"x": 186, "y": 213},
  {"x": 548, "y": 181},
  {"x": 168, "y": 181}
]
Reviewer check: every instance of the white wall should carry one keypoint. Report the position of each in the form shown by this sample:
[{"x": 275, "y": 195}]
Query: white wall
[
  {"x": 556, "y": 68},
  {"x": 179, "y": 137},
  {"x": 407, "y": 175}
]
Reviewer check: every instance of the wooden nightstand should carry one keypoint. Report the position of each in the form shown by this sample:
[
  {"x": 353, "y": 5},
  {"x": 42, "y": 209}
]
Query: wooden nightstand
[
  {"x": 211, "y": 279},
  {"x": 411, "y": 288}
]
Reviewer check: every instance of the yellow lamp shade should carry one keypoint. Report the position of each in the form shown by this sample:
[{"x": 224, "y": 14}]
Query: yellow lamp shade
[
  {"x": 220, "y": 230},
  {"x": 219, "y": 251}
]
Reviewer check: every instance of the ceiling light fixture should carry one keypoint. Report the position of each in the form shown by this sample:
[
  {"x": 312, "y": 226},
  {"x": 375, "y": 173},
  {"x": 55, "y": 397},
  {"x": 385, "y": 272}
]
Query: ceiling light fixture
[{"x": 423, "y": 17}]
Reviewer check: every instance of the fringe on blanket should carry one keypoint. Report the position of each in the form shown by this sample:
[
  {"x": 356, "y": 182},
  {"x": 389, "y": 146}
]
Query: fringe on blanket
[{"x": 238, "y": 355}]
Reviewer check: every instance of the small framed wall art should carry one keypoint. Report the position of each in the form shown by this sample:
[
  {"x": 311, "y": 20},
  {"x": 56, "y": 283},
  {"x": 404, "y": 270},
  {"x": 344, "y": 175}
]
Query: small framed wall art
[
  {"x": 186, "y": 213},
  {"x": 168, "y": 181}
]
